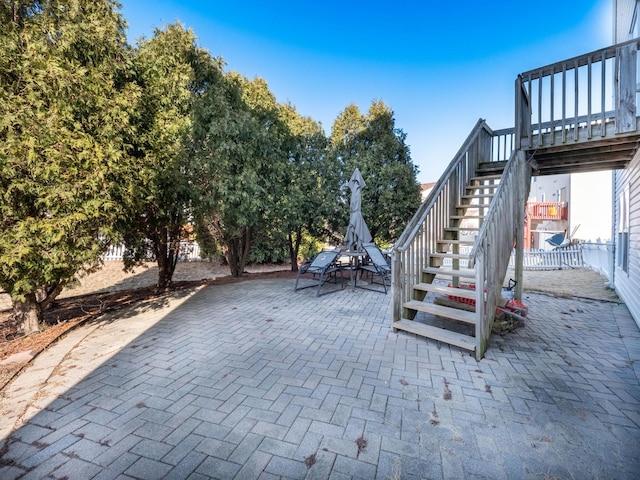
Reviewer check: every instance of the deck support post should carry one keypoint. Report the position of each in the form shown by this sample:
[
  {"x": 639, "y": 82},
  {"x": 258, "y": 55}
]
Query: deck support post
[
  {"x": 625, "y": 91},
  {"x": 521, "y": 194}
]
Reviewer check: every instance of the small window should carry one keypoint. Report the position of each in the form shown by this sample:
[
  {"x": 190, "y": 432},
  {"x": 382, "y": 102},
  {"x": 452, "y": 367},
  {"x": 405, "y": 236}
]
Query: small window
[{"x": 623, "y": 230}]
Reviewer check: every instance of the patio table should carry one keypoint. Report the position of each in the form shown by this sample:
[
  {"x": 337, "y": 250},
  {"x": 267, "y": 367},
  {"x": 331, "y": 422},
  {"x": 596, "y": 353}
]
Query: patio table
[{"x": 354, "y": 260}]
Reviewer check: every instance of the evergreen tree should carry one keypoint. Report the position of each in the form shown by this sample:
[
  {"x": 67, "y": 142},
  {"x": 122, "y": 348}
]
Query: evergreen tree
[
  {"x": 171, "y": 71},
  {"x": 373, "y": 144},
  {"x": 306, "y": 197},
  {"x": 238, "y": 143},
  {"x": 64, "y": 104}
]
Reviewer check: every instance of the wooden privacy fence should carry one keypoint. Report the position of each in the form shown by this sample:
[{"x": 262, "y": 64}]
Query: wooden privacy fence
[{"x": 561, "y": 258}]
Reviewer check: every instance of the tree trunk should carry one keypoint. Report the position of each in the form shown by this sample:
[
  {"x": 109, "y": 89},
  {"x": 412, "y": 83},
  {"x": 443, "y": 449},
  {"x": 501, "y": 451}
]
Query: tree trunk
[
  {"x": 49, "y": 295},
  {"x": 161, "y": 259},
  {"x": 294, "y": 249},
  {"x": 238, "y": 252},
  {"x": 232, "y": 257},
  {"x": 246, "y": 247},
  {"x": 27, "y": 314},
  {"x": 167, "y": 250}
]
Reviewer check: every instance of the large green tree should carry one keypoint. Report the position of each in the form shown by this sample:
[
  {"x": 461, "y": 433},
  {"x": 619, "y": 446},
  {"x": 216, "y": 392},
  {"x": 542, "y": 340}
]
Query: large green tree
[
  {"x": 171, "y": 71},
  {"x": 64, "y": 103},
  {"x": 310, "y": 188},
  {"x": 238, "y": 144},
  {"x": 372, "y": 143}
]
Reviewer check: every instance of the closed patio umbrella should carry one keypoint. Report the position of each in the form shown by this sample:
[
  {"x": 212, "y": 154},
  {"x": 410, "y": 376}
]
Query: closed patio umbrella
[{"x": 357, "y": 231}]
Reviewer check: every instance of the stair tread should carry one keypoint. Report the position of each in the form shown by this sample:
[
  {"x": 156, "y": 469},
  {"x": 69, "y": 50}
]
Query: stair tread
[
  {"x": 474, "y": 205},
  {"x": 457, "y": 229},
  {"x": 439, "y": 310},
  {"x": 485, "y": 177},
  {"x": 442, "y": 290},
  {"x": 460, "y": 256},
  {"x": 457, "y": 242},
  {"x": 478, "y": 196},
  {"x": 435, "y": 333},
  {"x": 465, "y": 273},
  {"x": 466, "y": 217}
]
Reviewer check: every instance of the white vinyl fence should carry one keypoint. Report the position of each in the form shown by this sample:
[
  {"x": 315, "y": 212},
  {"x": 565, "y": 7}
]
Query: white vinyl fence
[
  {"x": 598, "y": 257},
  {"x": 558, "y": 259},
  {"x": 189, "y": 252}
]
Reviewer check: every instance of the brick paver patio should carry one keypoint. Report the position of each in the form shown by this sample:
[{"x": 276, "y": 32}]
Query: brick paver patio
[{"x": 252, "y": 380}]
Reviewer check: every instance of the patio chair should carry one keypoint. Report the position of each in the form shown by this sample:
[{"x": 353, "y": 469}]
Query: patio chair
[
  {"x": 378, "y": 268},
  {"x": 556, "y": 240},
  {"x": 321, "y": 269}
]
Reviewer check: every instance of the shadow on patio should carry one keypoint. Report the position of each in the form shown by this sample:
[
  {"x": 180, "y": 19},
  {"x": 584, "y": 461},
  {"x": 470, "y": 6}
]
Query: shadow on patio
[{"x": 251, "y": 380}]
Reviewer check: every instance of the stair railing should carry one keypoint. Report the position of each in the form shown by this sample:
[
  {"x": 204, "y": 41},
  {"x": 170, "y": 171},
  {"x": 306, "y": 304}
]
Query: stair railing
[
  {"x": 419, "y": 239},
  {"x": 492, "y": 249}
]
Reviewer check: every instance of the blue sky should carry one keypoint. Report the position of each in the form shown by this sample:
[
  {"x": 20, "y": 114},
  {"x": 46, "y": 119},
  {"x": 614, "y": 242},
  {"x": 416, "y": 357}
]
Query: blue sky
[{"x": 439, "y": 68}]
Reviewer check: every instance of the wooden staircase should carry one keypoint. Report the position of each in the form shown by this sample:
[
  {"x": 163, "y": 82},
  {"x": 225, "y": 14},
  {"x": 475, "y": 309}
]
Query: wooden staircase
[
  {"x": 471, "y": 222},
  {"x": 447, "y": 269}
]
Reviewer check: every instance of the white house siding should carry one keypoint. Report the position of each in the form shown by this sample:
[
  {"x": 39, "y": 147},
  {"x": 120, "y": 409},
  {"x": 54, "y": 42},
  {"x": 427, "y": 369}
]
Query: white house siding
[
  {"x": 623, "y": 18},
  {"x": 627, "y": 284},
  {"x": 590, "y": 206}
]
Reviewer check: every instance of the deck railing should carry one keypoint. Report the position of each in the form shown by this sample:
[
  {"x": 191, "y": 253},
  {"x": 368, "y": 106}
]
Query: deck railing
[
  {"x": 502, "y": 144},
  {"x": 419, "y": 239},
  {"x": 583, "y": 98},
  {"x": 547, "y": 211}
]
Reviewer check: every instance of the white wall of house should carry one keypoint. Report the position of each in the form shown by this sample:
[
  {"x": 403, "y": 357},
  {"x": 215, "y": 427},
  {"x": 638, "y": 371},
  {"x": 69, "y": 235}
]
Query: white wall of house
[
  {"x": 550, "y": 188},
  {"x": 626, "y": 197},
  {"x": 590, "y": 206},
  {"x": 623, "y": 20},
  {"x": 626, "y": 231}
]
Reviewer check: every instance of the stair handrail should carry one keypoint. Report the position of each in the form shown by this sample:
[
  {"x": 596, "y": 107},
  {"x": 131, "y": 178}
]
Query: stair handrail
[
  {"x": 407, "y": 262},
  {"x": 418, "y": 218},
  {"x": 492, "y": 249},
  {"x": 498, "y": 195}
]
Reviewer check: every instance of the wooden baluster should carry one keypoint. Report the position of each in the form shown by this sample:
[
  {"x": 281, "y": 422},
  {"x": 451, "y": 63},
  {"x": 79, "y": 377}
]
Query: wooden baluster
[
  {"x": 551, "y": 108},
  {"x": 564, "y": 103},
  {"x": 603, "y": 88},
  {"x": 576, "y": 82},
  {"x": 589, "y": 72}
]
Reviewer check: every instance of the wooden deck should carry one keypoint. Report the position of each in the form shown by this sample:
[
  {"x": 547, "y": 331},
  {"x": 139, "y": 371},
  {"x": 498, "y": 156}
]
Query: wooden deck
[
  {"x": 599, "y": 154},
  {"x": 594, "y": 155}
]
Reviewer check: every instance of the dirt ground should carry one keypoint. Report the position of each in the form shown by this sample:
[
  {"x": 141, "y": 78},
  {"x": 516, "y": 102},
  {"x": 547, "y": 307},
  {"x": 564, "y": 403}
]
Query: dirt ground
[
  {"x": 111, "y": 288},
  {"x": 112, "y": 277},
  {"x": 579, "y": 282}
]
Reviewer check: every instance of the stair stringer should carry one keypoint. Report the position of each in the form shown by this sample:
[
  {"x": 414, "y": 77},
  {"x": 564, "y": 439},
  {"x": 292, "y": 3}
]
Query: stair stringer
[
  {"x": 501, "y": 231},
  {"x": 417, "y": 249},
  {"x": 468, "y": 216}
]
